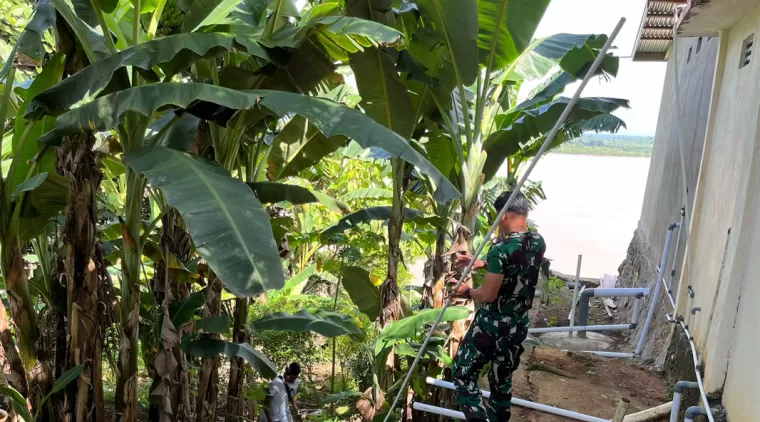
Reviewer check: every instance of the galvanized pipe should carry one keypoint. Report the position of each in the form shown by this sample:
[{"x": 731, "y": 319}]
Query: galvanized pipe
[
  {"x": 657, "y": 289},
  {"x": 523, "y": 403}
]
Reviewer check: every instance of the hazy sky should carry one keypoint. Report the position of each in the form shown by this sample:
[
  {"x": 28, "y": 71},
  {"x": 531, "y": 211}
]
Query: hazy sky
[{"x": 639, "y": 82}]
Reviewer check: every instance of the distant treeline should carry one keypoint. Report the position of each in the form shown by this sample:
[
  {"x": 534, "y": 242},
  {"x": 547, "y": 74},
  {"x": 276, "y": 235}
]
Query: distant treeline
[{"x": 609, "y": 144}]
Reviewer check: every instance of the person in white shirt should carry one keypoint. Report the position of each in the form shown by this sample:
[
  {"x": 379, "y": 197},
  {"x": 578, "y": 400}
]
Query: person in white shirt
[{"x": 282, "y": 396}]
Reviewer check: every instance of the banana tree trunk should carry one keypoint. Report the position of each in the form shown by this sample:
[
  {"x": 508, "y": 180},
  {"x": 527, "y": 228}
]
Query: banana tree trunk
[
  {"x": 126, "y": 387},
  {"x": 11, "y": 364},
  {"x": 235, "y": 391},
  {"x": 84, "y": 397},
  {"x": 390, "y": 300},
  {"x": 167, "y": 390},
  {"x": 434, "y": 270},
  {"x": 209, "y": 377},
  {"x": 389, "y": 291},
  {"x": 20, "y": 300}
]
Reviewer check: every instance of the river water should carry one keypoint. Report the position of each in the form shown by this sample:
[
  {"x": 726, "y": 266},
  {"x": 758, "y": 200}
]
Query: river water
[{"x": 592, "y": 207}]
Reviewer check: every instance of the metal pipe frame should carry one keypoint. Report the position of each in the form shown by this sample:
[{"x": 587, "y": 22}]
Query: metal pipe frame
[{"x": 517, "y": 402}]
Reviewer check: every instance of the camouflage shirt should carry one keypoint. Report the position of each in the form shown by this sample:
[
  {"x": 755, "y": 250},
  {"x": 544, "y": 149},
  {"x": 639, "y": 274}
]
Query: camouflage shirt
[{"x": 519, "y": 258}]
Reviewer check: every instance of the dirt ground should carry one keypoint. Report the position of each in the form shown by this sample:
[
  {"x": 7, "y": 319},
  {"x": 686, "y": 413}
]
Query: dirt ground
[{"x": 581, "y": 382}]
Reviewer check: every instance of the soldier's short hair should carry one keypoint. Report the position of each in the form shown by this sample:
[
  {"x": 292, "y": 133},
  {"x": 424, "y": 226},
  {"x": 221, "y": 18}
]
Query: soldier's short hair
[{"x": 518, "y": 206}]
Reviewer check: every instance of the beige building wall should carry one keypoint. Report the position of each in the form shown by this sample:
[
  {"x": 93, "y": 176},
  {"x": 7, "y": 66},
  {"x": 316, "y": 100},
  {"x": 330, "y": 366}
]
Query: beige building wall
[
  {"x": 686, "y": 113},
  {"x": 727, "y": 196}
]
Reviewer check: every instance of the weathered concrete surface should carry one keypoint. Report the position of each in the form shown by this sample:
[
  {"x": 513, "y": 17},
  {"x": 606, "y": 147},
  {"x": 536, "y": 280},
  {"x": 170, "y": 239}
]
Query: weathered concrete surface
[
  {"x": 564, "y": 341},
  {"x": 683, "y": 115},
  {"x": 726, "y": 196},
  {"x": 640, "y": 270}
]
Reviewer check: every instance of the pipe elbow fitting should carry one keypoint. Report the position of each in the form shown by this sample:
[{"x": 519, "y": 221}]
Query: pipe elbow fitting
[
  {"x": 695, "y": 411},
  {"x": 587, "y": 293},
  {"x": 673, "y": 226},
  {"x": 685, "y": 385}
]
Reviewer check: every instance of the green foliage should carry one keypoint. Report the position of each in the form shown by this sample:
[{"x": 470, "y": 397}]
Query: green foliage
[
  {"x": 609, "y": 145},
  {"x": 554, "y": 290},
  {"x": 237, "y": 116}
]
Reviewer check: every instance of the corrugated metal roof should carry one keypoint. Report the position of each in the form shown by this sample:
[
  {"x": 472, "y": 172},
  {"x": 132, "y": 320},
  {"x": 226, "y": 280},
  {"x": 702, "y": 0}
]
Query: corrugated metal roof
[{"x": 656, "y": 30}]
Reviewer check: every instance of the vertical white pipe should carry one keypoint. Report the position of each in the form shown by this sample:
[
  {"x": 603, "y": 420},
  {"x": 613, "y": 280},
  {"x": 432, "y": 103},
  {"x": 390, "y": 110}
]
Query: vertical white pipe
[
  {"x": 676, "y": 406},
  {"x": 575, "y": 291},
  {"x": 636, "y": 310}
]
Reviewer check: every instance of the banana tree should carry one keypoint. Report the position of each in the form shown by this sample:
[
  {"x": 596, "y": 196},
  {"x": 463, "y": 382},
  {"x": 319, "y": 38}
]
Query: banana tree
[
  {"x": 101, "y": 86},
  {"x": 477, "y": 55},
  {"x": 452, "y": 88},
  {"x": 30, "y": 194}
]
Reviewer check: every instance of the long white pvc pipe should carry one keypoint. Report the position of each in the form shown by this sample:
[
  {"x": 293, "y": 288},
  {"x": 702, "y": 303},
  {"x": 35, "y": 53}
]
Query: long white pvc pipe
[
  {"x": 575, "y": 291},
  {"x": 617, "y": 327},
  {"x": 602, "y": 353},
  {"x": 620, "y": 292},
  {"x": 549, "y": 138},
  {"x": 422, "y": 407},
  {"x": 525, "y": 403}
]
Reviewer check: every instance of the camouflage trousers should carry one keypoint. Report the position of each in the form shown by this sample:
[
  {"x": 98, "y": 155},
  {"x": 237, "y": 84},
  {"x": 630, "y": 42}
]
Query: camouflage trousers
[{"x": 497, "y": 339}]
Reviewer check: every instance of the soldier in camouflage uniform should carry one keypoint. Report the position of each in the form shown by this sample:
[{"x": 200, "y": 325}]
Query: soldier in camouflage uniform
[{"x": 501, "y": 324}]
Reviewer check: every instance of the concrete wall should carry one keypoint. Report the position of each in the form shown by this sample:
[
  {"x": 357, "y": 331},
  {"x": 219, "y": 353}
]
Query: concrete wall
[
  {"x": 683, "y": 115},
  {"x": 688, "y": 112},
  {"x": 726, "y": 195},
  {"x": 725, "y": 199},
  {"x": 742, "y": 381}
]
